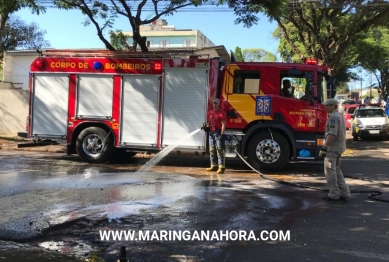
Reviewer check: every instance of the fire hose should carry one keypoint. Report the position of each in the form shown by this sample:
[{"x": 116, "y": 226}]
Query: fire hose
[{"x": 372, "y": 193}]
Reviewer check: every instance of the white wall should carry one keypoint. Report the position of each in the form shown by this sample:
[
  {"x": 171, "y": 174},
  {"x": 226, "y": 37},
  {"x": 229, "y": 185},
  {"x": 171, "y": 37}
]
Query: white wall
[
  {"x": 13, "y": 110},
  {"x": 17, "y": 68},
  {"x": 203, "y": 41}
]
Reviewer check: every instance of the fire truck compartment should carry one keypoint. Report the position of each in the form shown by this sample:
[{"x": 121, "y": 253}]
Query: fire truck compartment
[
  {"x": 50, "y": 105},
  {"x": 139, "y": 113},
  {"x": 94, "y": 96},
  {"x": 184, "y": 106}
]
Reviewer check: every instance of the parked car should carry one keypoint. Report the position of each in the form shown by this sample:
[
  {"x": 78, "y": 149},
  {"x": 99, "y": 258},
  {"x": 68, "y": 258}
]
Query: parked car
[
  {"x": 369, "y": 121},
  {"x": 348, "y": 112}
]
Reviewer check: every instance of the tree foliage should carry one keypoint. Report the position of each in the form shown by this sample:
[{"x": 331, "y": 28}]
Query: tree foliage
[
  {"x": 239, "y": 54},
  {"x": 7, "y": 7},
  {"x": 373, "y": 55},
  {"x": 327, "y": 29},
  {"x": 258, "y": 55},
  {"x": 19, "y": 35},
  {"x": 119, "y": 41},
  {"x": 247, "y": 10}
]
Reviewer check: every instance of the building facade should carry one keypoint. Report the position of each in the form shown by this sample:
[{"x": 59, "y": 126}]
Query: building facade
[
  {"x": 16, "y": 67},
  {"x": 161, "y": 35}
]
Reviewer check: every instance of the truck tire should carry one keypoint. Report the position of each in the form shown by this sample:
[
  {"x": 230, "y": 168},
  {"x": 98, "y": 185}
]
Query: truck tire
[
  {"x": 267, "y": 153},
  {"x": 94, "y": 145}
]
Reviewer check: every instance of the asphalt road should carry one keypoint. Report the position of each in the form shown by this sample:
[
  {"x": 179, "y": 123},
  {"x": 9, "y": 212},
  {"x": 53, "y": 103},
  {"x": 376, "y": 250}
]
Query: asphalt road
[{"x": 54, "y": 206}]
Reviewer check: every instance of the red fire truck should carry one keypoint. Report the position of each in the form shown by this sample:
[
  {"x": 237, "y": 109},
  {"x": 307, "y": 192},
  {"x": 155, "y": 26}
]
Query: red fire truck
[{"x": 109, "y": 103}]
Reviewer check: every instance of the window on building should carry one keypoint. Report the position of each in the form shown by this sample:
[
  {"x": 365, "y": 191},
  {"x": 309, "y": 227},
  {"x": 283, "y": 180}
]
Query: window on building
[
  {"x": 246, "y": 82},
  {"x": 188, "y": 43},
  {"x": 149, "y": 43},
  {"x": 163, "y": 43}
]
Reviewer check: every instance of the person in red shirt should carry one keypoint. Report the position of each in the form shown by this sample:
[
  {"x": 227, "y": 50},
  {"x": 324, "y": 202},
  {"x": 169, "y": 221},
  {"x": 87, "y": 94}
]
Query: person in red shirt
[{"x": 217, "y": 125}]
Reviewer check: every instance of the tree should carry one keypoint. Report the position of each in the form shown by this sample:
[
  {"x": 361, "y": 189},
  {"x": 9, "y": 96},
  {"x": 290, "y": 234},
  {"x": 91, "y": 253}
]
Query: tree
[
  {"x": 19, "y": 35},
  {"x": 239, "y": 54},
  {"x": 7, "y": 7},
  {"x": 373, "y": 55},
  {"x": 102, "y": 15},
  {"x": 247, "y": 10},
  {"x": 327, "y": 29},
  {"x": 258, "y": 55},
  {"x": 119, "y": 41}
]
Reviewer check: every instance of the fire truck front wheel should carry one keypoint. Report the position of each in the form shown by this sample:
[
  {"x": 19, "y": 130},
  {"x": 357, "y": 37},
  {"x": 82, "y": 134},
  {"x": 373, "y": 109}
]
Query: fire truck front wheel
[
  {"x": 94, "y": 145},
  {"x": 268, "y": 150}
]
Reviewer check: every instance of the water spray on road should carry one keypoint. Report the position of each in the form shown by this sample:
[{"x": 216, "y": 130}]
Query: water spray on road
[{"x": 158, "y": 157}]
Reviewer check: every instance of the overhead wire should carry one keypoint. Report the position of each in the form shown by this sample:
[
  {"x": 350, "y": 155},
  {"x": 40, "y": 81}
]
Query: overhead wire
[{"x": 209, "y": 7}]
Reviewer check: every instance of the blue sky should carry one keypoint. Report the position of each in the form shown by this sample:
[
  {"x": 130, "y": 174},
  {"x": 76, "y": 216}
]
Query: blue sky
[{"x": 64, "y": 29}]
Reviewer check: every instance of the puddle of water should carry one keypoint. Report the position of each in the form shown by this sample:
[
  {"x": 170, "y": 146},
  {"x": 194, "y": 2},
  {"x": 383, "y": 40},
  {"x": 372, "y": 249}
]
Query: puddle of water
[
  {"x": 115, "y": 202},
  {"x": 158, "y": 157},
  {"x": 75, "y": 247}
]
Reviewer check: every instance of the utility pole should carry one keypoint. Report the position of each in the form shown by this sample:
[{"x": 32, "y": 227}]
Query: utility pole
[
  {"x": 371, "y": 85},
  {"x": 370, "y": 90}
]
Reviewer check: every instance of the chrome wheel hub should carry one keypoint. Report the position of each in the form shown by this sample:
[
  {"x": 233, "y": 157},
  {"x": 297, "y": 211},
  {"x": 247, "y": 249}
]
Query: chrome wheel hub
[
  {"x": 268, "y": 151},
  {"x": 92, "y": 145}
]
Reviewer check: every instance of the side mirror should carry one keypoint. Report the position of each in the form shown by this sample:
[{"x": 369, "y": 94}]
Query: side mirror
[
  {"x": 352, "y": 116},
  {"x": 309, "y": 87},
  {"x": 331, "y": 80},
  {"x": 331, "y": 88}
]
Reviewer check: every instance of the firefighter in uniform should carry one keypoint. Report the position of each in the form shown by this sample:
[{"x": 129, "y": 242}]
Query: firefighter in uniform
[
  {"x": 217, "y": 125},
  {"x": 287, "y": 89},
  {"x": 334, "y": 146}
]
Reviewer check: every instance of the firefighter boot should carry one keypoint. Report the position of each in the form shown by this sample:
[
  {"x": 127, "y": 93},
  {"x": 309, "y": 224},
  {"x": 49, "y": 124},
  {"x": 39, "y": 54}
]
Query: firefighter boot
[
  {"x": 212, "y": 168},
  {"x": 220, "y": 170}
]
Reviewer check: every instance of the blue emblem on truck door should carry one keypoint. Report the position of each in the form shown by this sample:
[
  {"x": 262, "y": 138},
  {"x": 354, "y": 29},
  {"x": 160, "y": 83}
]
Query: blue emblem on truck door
[{"x": 263, "y": 105}]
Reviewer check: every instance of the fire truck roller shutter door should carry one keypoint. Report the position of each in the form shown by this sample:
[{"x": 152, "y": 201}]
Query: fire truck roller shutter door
[
  {"x": 268, "y": 150},
  {"x": 50, "y": 105},
  {"x": 94, "y": 145}
]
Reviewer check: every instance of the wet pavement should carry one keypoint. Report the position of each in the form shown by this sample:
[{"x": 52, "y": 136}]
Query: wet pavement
[{"x": 54, "y": 207}]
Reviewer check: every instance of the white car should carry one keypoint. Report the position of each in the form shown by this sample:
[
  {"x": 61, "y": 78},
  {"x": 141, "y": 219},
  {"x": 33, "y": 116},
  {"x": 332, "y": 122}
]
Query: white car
[{"x": 369, "y": 121}]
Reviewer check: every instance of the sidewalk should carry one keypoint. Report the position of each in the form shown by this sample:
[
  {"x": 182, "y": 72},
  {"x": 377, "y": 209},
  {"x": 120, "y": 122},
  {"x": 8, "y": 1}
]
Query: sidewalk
[{"x": 10, "y": 142}]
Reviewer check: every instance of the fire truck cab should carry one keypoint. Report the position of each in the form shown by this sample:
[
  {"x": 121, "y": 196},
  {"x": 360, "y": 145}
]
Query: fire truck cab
[
  {"x": 115, "y": 104},
  {"x": 271, "y": 129}
]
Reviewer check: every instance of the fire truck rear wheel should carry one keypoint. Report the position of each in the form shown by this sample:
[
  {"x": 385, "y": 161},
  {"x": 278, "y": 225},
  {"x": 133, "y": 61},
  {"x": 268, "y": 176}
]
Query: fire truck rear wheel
[
  {"x": 269, "y": 151},
  {"x": 94, "y": 145}
]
